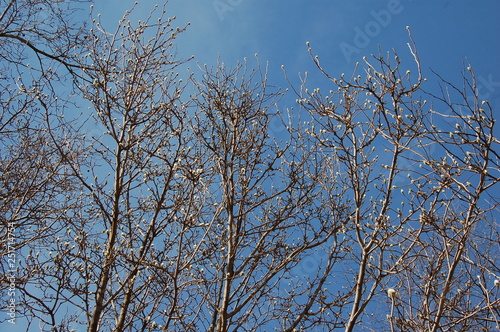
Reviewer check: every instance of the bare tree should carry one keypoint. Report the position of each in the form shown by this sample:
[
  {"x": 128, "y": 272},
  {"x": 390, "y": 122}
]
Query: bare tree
[
  {"x": 99, "y": 265},
  {"x": 454, "y": 271},
  {"x": 419, "y": 176},
  {"x": 264, "y": 199},
  {"x": 27, "y": 163},
  {"x": 41, "y": 31},
  {"x": 35, "y": 183}
]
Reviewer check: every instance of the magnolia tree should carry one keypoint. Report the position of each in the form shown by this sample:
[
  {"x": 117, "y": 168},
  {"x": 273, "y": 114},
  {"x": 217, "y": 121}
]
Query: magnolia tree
[
  {"x": 34, "y": 37},
  {"x": 264, "y": 200},
  {"x": 107, "y": 265},
  {"x": 418, "y": 170},
  {"x": 37, "y": 39},
  {"x": 41, "y": 34},
  {"x": 157, "y": 209}
]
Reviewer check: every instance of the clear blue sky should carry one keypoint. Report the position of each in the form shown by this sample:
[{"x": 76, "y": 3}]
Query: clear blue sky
[{"x": 340, "y": 32}]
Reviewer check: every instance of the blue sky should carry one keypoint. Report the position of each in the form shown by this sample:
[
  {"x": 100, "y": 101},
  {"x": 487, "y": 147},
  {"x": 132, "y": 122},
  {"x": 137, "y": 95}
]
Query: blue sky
[{"x": 340, "y": 32}]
